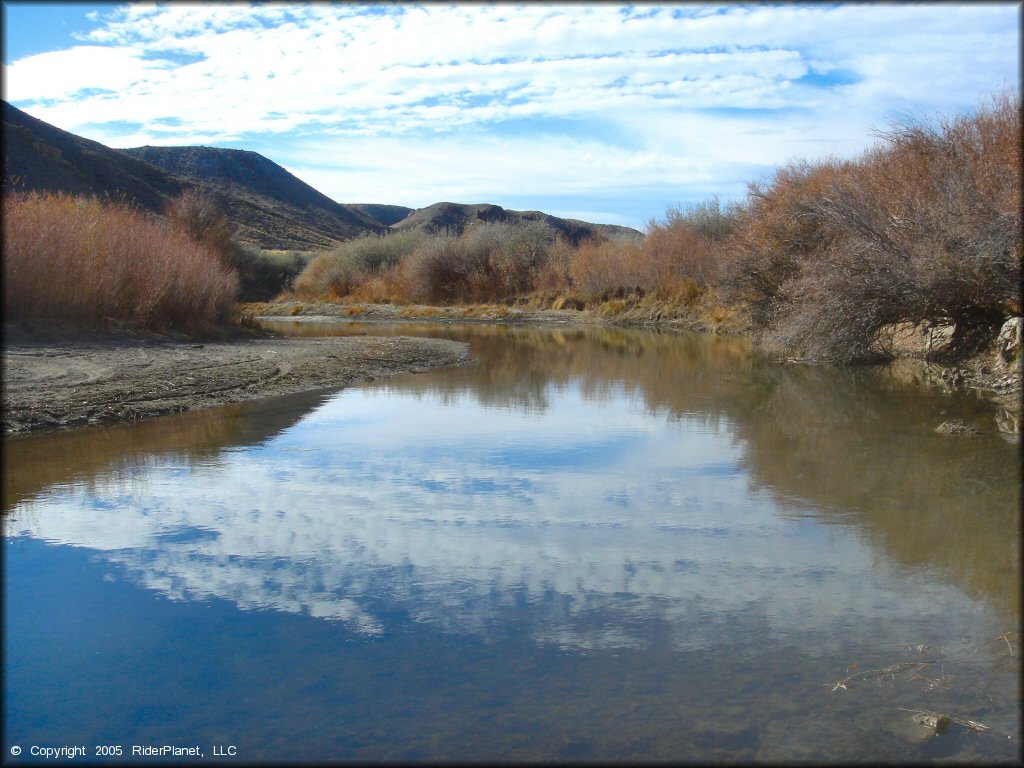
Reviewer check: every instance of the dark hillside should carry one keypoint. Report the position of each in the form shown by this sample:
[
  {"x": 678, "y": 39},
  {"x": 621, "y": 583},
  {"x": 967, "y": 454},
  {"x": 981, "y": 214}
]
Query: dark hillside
[
  {"x": 268, "y": 206},
  {"x": 256, "y": 183},
  {"x": 40, "y": 157},
  {"x": 382, "y": 214}
]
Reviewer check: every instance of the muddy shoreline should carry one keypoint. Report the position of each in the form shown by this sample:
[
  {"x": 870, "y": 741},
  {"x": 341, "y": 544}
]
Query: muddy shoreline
[
  {"x": 54, "y": 380},
  {"x": 985, "y": 374}
]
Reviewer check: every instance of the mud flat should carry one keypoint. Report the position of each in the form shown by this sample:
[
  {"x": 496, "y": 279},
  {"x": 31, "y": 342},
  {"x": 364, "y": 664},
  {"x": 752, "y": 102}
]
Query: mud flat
[{"x": 54, "y": 380}]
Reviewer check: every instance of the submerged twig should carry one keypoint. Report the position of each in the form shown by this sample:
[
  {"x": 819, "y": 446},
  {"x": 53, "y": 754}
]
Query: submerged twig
[
  {"x": 892, "y": 670},
  {"x": 918, "y": 665},
  {"x": 1005, "y": 637}
]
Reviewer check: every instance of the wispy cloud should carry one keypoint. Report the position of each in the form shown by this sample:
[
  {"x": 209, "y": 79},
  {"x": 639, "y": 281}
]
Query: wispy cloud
[{"x": 664, "y": 96}]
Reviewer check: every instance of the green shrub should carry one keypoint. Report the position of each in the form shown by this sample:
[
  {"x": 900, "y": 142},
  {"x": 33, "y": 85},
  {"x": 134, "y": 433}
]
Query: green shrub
[{"x": 265, "y": 274}]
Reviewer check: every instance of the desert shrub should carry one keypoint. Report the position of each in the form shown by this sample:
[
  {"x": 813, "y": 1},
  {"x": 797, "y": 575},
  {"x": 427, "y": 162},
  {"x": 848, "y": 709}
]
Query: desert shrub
[
  {"x": 387, "y": 286},
  {"x": 925, "y": 227},
  {"x": 690, "y": 243},
  {"x": 199, "y": 213},
  {"x": 342, "y": 270},
  {"x": 684, "y": 250},
  {"x": 600, "y": 268},
  {"x": 554, "y": 275},
  {"x": 327, "y": 275},
  {"x": 84, "y": 261},
  {"x": 490, "y": 261},
  {"x": 261, "y": 276},
  {"x": 708, "y": 219},
  {"x": 777, "y": 232},
  {"x": 439, "y": 270},
  {"x": 376, "y": 253},
  {"x": 265, "y": 274},
  {"x": 503, "y": 257}
]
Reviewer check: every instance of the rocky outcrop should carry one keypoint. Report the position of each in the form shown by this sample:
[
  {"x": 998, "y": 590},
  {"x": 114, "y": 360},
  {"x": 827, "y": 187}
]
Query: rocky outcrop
[{"x": 1008, "y": 342}]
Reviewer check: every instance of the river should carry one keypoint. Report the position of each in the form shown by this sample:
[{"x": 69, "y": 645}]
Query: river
[{"x": 594, "y": 544}]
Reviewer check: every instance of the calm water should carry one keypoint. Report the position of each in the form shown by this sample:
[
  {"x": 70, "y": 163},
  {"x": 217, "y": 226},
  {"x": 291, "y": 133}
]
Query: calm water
[{"x": 592, "y": 545}]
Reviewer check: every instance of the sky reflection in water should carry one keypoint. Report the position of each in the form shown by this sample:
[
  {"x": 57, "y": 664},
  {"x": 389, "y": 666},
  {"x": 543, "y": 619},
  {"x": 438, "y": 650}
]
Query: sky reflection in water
[{"x": 583, "y": 515}]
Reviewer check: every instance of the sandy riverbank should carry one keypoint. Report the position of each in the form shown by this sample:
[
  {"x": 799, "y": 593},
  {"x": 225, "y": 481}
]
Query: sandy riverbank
[{"x": 53, "y": 380}]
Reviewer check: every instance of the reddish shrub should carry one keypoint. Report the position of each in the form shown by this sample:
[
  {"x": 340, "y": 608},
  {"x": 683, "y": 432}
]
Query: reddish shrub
[
  {"x": 83, "y": 261},
  {"x": 925, "y": 228},
  {"x": 200, "y": 215},
  {"x": 690, "y": 243}
]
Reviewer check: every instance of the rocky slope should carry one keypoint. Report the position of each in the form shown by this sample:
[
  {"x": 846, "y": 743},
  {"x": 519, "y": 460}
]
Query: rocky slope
[
  {"x": 251, "y": 184},
  {"x": 41, "y": 157}
]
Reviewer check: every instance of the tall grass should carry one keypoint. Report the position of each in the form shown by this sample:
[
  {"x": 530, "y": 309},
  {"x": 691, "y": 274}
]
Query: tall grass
[
  {"x": 87, "y": 262},
  {"x": 262, "y": 273},
  {"x": 199, "y": 213}
]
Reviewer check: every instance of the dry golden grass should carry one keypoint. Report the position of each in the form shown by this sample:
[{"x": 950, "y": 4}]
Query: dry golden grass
[
  {"x": 92, "y": 263},
  {"x": 569, "y": 302}
]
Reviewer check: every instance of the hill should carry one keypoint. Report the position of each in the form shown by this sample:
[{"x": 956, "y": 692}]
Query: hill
[
  {"x": 456, "y": 217},
  {"x": 382, "y": 214},
  {"x": 259, "y": 192},
  {"x": 40, "y": 157},
  {"x": 268, "y": 206}
]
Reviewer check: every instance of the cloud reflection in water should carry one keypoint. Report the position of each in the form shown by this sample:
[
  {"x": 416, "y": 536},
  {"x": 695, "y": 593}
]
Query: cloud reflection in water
[{"x": 588, "y": 523}]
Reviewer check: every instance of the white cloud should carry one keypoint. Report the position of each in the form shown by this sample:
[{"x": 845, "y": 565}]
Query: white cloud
[
  {"x": 641, "y": 83},
  {"x": 61, "y": 75},
  {"x": 411, "y": 169}
]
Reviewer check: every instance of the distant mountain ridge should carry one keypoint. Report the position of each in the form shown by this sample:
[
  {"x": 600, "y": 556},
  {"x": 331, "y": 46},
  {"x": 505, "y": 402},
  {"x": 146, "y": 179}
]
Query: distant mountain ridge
[
  {"x": 456, "y": 217},
  {"x": 41, "y": 157},
  {"x": 269, "y": 206}
]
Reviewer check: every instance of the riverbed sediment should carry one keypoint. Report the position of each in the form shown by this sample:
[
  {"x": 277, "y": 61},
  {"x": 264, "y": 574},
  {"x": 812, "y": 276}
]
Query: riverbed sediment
[{"x": 54, "y": 379}]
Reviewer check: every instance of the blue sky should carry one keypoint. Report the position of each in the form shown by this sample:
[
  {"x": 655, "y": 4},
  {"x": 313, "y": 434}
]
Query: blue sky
[{"x": 605, "y": 112}]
